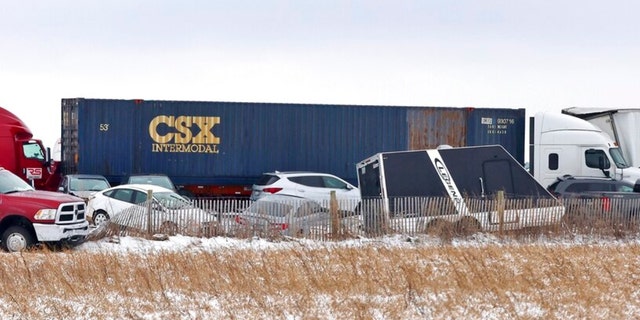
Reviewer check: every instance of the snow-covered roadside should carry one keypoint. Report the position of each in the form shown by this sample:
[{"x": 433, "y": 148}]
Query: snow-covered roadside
[{"x": 183, "y": 243}]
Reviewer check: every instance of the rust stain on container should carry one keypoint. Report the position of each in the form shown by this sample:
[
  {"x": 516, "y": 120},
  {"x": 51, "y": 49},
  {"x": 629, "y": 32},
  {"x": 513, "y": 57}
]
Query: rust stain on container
[{"x": 431, "y": 127}]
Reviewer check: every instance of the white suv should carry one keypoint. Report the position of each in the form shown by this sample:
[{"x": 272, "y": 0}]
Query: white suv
[{"x": 310, "y": 185}]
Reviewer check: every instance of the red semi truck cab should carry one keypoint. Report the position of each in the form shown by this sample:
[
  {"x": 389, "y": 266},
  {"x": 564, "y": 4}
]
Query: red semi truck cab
[
  {"x": 24, "y": 156},
  {"x": 29, "y": 216}
]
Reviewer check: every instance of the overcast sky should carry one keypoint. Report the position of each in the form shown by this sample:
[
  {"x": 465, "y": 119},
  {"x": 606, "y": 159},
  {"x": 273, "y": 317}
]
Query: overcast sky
[{"x": 538, "y": 55}]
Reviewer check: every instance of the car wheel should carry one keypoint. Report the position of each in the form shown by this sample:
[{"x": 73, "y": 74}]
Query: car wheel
[
  {"x": 16, "y": 239},
  {"x": 100, "y": 218}
]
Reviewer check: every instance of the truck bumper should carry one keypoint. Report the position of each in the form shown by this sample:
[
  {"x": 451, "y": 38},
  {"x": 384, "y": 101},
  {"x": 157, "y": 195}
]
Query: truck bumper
[{"x": 69, "y": 233}]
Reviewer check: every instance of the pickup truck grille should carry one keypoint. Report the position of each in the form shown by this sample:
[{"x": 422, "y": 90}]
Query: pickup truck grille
[{"x": 71, "y": 212}]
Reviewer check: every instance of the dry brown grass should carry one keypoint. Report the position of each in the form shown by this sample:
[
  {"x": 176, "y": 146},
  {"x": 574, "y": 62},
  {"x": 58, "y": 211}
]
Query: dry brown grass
[{"x": 368, "y": 281}]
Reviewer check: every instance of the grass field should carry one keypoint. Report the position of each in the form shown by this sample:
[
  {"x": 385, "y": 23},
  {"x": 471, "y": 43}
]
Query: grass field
[{"x": 363, "y": 279}]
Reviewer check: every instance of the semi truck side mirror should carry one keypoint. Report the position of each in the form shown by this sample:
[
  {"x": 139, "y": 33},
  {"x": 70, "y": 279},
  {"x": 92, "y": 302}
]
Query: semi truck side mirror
[
  {"x": 47, "y": 157},
  {"x": 601, "y": 166},
  {"x": 636, "y": 186}
]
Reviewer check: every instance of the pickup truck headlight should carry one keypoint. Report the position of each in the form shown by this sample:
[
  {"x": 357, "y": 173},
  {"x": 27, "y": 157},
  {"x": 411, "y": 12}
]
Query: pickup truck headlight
[{"x": 45, "y": 214}]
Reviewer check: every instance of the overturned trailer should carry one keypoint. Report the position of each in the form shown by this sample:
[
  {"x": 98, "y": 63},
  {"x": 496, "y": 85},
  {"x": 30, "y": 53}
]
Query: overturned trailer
[{"x": 467, "y": 189}]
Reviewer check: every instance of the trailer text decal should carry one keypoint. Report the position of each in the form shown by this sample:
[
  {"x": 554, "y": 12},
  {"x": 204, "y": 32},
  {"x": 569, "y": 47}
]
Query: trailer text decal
[
  {"x": 501, "y": 125},
  {"x": 447, "y": 181},
  {"x": 184, "y": 134}
]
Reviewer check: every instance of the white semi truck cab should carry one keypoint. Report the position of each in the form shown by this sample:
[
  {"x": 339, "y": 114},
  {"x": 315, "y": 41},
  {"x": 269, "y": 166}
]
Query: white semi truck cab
[{"x": 561, "y": 144}]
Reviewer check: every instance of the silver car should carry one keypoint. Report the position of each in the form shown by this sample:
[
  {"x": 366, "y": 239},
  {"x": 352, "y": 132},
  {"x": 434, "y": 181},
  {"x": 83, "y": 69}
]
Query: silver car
[
  {"x": 290, "y": 216},
  {"x": 83, "y": 185}
]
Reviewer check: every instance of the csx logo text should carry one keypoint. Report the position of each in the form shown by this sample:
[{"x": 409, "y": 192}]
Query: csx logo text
[{"x": 185, "y": 127}]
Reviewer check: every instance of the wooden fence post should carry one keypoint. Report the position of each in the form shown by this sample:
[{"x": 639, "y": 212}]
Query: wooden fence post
[
  {"x": 149, "y": 211},
  {"x": 500, "y": 209},
  {"x": 335, "y": 219}
]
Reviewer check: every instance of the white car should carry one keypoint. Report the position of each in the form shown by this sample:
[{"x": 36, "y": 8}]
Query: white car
[
  {"x": 170, "y": 211},
  {"x": 310, "y": 185}
]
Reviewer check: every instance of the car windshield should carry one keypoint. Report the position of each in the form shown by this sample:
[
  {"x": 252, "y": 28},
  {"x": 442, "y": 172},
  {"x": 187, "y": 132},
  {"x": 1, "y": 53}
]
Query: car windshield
[
  {"x": 87, "y": 184},
  {"x": 9, "y": 183},
  {"x": 162, "y": 181},
  {"x": 618, "y": 158},
  {"x": 625, "y": 188},
  {"x": 172, "y": 200},
  {"x": 33, "y": 150},
  {"x": 271, "y": 208}
]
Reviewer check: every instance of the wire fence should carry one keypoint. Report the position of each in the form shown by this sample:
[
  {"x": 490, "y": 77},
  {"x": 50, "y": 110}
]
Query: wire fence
[{"x": 437, "y": 216}]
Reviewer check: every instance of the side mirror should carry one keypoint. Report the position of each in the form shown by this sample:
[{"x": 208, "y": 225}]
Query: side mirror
[
  {"x": 48, "y": 160},
  {"x": 636, "y": 186},
  {"x": 601, "y": 163},
  {"x": 601, "y": 166}
]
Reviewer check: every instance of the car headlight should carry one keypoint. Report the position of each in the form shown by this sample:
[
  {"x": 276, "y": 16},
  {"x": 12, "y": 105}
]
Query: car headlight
[{"x": 45, "y": 214}]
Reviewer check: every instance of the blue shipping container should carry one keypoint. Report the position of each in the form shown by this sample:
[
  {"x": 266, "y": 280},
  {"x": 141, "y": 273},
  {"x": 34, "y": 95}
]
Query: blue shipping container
[{"x": 233, "y": 143}]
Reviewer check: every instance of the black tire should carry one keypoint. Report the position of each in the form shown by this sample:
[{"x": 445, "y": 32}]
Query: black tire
[
  {"x": 16, "y": 239},
  {"x": 100, "y": 217}
]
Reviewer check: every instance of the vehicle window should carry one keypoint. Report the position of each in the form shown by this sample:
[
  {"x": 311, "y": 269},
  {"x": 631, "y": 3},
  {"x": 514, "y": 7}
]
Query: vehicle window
[
  {"x": 593, "y": 157},
  {"x": 139, "y": 197},
  {"x": 591, "y": 186},
  {"x": 623, "y": 188},
  {"x": 63, "y": 182},
  {"x": 121, "y": 194},
  {"x": 308, "y": 208},
  {"x": 602, "y": 187},
  {"x": 309, "y": 181},
  {"x": 553, "y": 161},
  {"x": 87, "y": 184},
  {"x": 33, "y": 151},
  {"x": 172, "y": 200},
  {"x": 9, "y": 182},
  {"x": 74, "y": 185},
  {"x": 154, "y": 180},
  {"x": 552, "y": 187},
  {"x": 266, "y": 180},
  {"x": 577, "y": 187},
  {"x": 271, "y": 208},
  {"x": 94, "y": 184},
  {"x": 331, "y": 182},
  {"x": 618, "y": 158}
]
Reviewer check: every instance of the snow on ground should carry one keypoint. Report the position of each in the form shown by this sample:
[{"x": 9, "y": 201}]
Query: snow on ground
[{"x": 184, "y": 243}]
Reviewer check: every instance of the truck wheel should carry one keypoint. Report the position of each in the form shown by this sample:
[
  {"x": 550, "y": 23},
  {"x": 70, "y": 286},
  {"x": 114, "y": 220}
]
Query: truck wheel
[
  {"x": 16, "y": 239},
  {"x": 100, "y": 218}
]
